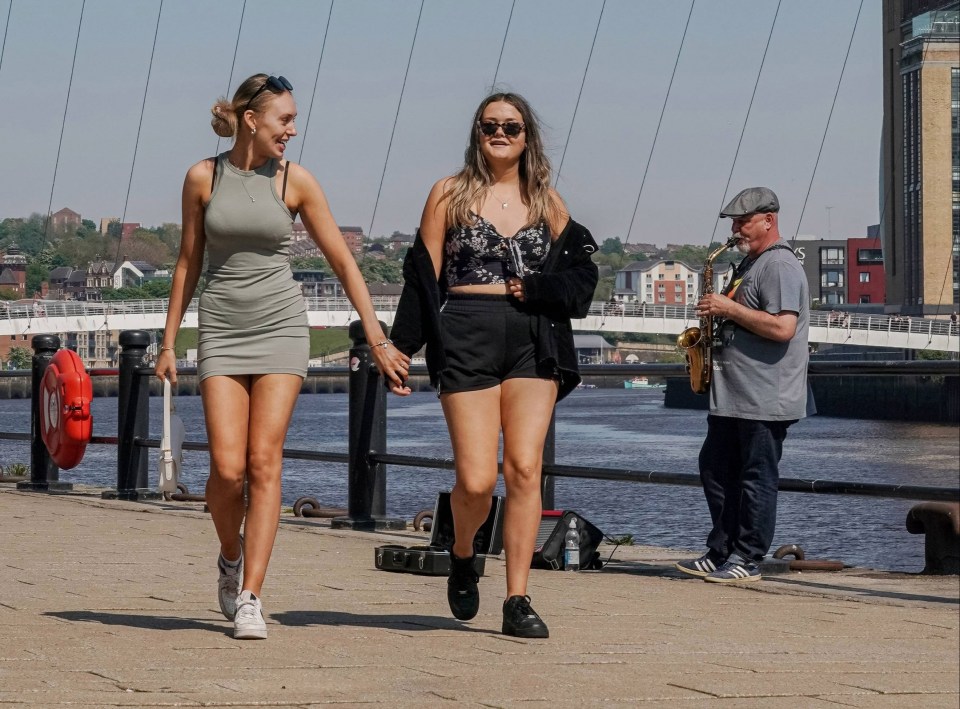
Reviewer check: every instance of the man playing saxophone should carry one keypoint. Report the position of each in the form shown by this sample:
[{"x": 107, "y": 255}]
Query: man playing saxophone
[{"x": 758, "y": 389}]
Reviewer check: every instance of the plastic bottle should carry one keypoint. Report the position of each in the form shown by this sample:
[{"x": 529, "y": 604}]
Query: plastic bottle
[{"x": 571, "y": 547}]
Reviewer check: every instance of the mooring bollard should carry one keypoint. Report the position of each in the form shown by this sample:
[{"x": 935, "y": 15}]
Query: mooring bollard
[
  {"x": 367, "y": 481},
  {"x": 44, "y": 473},
  {"x": 133, "y": 420}
]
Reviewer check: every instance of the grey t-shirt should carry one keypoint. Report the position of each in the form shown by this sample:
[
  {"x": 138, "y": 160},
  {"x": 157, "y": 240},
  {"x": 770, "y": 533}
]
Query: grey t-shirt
[{"x": 757, "y": 378}]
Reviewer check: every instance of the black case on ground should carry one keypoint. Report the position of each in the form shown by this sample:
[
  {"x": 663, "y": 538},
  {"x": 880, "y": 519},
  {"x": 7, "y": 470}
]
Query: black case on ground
[
  {"x": 434, "y": 559},
  {"x": 548, "y": 552}
]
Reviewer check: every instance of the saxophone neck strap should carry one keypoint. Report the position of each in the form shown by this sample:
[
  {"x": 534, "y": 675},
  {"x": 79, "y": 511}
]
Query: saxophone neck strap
[{"x": 747, "y": 263}]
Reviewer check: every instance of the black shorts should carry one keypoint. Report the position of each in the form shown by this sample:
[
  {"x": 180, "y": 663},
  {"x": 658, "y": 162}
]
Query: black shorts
[{"x": 488, "y": 339}]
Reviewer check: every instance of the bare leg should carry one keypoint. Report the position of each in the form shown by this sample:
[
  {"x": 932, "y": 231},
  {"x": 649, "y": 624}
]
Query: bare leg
[
  {"x": 226, "y": 403},
  {"x": 526, "y": 406},
  {"x": 473, "y": 418},
  {"x": 272, "y": 400}
]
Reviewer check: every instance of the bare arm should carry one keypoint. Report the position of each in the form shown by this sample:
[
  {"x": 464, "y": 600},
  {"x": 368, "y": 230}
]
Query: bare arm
[
  {"x": 779, "y": 327},
  {"x": 433, "y": 224},
  {"x": 186, "y": 274},
  {"x": 309, "y": 200}
]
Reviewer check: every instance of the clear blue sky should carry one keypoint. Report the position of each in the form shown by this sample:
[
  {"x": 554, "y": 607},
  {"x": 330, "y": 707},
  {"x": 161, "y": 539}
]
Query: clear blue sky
[{"x": 452, "y": 69}]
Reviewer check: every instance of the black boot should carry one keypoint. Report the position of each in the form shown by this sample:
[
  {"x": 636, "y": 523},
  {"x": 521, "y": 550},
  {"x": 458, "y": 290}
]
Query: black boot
[
  {"x": 462, "y": 592},
  {"x": 521, "y": 621}
]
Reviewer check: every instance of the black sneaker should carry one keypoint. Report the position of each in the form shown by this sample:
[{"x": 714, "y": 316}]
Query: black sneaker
[
  {"x": 462, "y": 592},
  {"x": 521, "y": 621}
]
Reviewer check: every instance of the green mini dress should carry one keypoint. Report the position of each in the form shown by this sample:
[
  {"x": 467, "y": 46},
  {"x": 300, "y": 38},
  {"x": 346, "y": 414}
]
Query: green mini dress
[{"x": 252, "y": 314}]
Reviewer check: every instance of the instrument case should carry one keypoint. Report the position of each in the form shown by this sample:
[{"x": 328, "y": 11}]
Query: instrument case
[{"x": 434, "y": 559}]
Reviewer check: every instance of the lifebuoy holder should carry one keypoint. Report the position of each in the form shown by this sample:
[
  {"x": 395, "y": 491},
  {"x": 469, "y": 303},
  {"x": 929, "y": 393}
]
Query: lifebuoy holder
[{"x": 65, "y": 421}]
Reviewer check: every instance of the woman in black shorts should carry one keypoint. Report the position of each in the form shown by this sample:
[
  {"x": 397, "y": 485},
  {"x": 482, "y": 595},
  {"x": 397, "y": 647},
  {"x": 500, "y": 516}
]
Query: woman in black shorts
[{"x": 496, "y": 273}]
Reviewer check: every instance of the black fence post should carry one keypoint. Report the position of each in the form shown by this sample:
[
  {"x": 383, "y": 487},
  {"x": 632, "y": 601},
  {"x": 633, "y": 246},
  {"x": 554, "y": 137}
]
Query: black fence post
[
  {"x": 547, "y": 498},
  {"x": 133, "y": 420},
  {"x": 44, "y": 473},
  {"x": 367, "y": 481}
]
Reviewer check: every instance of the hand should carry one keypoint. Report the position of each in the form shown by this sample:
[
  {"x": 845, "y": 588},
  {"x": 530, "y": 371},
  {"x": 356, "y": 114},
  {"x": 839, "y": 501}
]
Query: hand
[
  {"x": 714, "y": 305},
  {"x": 167, "y": 366},
  {"x": 515, "y": 288},
  {"x": 393, "y": 364}
]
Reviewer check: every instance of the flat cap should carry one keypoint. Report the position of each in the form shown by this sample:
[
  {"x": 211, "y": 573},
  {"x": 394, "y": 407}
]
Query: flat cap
[{"x": 751, "y": 201}]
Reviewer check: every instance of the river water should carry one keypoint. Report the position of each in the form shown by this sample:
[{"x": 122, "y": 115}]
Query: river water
[{"x": 604, "y": 428}]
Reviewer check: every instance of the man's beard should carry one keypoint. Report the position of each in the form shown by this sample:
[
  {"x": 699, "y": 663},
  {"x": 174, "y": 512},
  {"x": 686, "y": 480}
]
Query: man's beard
[{"x": 743, "y": 247}]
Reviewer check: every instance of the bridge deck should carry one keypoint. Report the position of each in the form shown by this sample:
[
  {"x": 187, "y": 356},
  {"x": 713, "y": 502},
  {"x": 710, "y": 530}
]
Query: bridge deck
[{"x": 892, "y": 332}]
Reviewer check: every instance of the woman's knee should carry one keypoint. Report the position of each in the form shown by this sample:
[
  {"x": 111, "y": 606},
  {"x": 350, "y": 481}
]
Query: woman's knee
[
  {"x": 472, "y": 488},
  {"x": 522, "y": 474}
]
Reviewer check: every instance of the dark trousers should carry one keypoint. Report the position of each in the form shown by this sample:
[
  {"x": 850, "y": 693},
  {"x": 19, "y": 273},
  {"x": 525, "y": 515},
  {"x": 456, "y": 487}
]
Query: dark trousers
[{"x": 739, "y": 471}]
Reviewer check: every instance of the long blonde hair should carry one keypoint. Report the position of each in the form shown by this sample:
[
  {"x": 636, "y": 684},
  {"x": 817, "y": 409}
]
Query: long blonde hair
[{"x": 466, "y": 188}]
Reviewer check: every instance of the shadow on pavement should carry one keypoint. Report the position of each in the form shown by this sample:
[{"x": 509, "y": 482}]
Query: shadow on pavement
[
  {"x": 147, "y": 622},
  {"x": 404, "y": 622}
]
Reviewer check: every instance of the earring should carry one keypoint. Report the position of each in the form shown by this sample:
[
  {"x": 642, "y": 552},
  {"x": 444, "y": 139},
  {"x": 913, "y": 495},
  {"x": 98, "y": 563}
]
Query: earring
[{"x": 253, "y": 131}]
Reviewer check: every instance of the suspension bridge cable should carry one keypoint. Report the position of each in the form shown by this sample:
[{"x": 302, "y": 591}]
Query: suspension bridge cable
[
  {"x": 663, "y": 109},
  {"x": 63, "y": 124},
  {"x": 826, "y": 129},
  {"x": 386, "y": 160},
  {"x": 136, "y": 145},
  {"x": 583, "y": 82},
  {"x": 316, "y": 80},
  {"x": 743, "y": 129},
  {"x": 503, "y": 45},
  {"x": 233, "y": 64},
  {"x": 6, "y": 26}
]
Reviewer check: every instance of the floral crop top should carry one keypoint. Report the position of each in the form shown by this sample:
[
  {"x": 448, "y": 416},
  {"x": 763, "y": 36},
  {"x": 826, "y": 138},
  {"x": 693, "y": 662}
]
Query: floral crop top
[{"x": 477, "y": 253}]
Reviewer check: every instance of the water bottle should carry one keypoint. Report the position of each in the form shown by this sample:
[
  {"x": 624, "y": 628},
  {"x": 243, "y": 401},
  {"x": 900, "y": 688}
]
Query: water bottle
[{"x": 571, "y": 547}]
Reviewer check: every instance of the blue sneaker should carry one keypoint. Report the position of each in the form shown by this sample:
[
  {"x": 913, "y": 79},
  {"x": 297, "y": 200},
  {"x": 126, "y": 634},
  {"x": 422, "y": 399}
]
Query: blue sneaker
[
  {"x": 735, "y": 570},
  {"x": 706, "y": 564}
]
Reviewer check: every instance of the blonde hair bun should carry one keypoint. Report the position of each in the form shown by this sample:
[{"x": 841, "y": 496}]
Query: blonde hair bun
[{"x": 224, "y": 119}]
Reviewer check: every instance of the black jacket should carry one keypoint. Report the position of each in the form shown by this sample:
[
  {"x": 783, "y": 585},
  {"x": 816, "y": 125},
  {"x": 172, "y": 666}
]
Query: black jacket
[{"x": 563, "y": 289}]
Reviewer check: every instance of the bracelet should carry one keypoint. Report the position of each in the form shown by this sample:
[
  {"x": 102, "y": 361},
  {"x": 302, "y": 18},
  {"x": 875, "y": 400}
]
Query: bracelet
[
  {"x": 384, "y": 343},
  {"x": 172, "y": 349}
]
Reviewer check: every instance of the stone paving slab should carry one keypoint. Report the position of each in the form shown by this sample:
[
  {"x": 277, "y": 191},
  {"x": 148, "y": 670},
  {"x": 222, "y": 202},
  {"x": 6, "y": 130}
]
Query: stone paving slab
[{"x": 113, "y": 604}]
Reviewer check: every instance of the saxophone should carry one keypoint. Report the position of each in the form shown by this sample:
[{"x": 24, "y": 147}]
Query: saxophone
[{"x": 697, "y": 342}]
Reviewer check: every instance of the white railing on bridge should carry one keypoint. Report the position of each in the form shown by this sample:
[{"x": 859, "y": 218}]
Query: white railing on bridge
[{"x": 62, "y": 316}]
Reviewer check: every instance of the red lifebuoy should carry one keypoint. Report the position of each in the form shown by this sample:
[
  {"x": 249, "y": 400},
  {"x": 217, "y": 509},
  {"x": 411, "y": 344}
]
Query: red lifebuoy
[{"x": 65, "y": 421}]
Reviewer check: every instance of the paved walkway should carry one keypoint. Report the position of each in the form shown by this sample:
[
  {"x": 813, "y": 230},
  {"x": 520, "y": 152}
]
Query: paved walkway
[{"x": 106, "y": 604}]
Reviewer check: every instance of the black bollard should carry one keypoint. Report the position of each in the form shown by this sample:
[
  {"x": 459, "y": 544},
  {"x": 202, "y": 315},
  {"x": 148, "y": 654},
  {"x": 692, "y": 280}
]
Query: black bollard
[
  {"x": 367, "y": 481},
  {"x": 133, "y": 420},
  {"x": 547, "y": 487},
  {"x": 44, "y": 473}
]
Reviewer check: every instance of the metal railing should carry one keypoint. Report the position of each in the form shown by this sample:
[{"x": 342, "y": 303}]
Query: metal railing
[
  {"x": 818, "y": 318},
  {"x": 367, "y": 457}
]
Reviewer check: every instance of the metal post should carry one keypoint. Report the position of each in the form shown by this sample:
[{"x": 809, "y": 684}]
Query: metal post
[
  {"x": 547, "y": 499},
  {"x": 367, "y": 482},
  {"x": 44, "y": 473},
  {"x": 133, "y": 420}
]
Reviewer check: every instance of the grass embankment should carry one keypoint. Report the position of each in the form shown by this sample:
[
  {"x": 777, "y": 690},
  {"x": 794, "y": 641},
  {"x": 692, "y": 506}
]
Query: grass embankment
[{"x": 323, "y": 342}]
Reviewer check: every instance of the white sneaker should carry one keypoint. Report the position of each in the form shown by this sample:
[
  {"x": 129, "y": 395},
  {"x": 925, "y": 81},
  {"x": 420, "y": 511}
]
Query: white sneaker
[
  {"x": 228, "y": 585},
  {"x": 248, "y": 623}
]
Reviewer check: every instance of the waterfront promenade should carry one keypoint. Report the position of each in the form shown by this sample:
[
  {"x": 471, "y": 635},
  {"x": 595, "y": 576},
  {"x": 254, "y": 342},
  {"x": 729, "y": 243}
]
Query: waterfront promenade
[{"x": 107, "y": 603}]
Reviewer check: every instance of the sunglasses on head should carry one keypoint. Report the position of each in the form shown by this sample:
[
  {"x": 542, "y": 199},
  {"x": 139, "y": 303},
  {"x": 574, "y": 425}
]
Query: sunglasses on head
[
  {"x": 277, "y": 84},
  {"x": 511, "y": 129}
]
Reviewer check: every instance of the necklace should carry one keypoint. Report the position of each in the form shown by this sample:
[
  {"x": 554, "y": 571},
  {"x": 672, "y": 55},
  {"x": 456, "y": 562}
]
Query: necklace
[
  {"x": 503, "y": 204},
  {"x": 242, "y": 179},
  {"x": 243, "y": 184}
]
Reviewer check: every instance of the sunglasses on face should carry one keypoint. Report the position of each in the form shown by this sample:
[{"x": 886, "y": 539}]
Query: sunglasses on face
[
  {"x": 511, "y": 129},
  {"x": 277, "y": 84}
]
